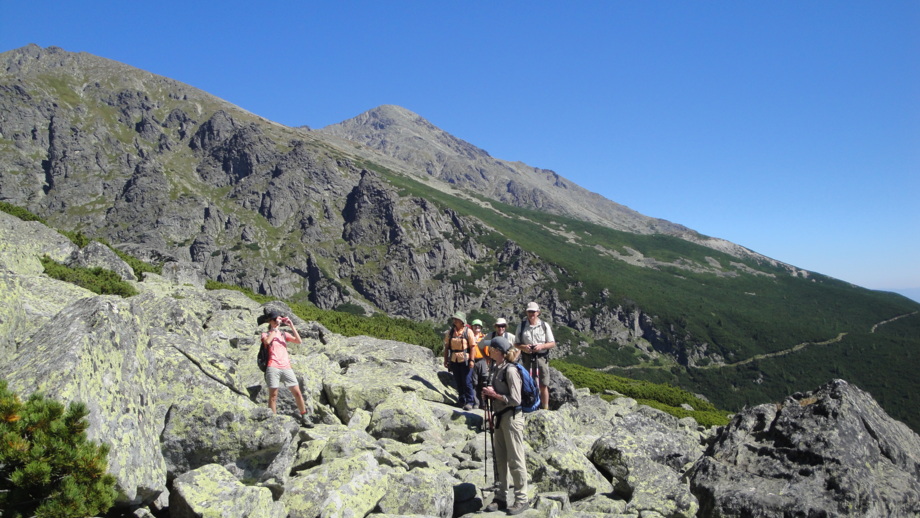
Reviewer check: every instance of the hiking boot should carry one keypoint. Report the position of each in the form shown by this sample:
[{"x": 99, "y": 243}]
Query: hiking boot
[
  {"x": 467, "y": 407},
  {"x": 496, "y": 505},
  {"x": 306, "y": 420},
  {"x": 518, "y": 507}
]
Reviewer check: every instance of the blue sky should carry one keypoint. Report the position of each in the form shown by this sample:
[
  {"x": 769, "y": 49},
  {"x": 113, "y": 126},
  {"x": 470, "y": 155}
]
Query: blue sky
[{"x": 789, "y": 127}]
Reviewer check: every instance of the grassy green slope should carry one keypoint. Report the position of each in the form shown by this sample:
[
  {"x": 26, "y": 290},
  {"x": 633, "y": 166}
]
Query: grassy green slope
[{"x": 742, "y": 317}]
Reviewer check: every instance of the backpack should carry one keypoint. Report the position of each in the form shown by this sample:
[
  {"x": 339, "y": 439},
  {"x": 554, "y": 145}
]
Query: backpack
[
  {"x": 463, "y": 336},
  {"x": 262, "y": 358},
  {"x": 530, "y": 394}
]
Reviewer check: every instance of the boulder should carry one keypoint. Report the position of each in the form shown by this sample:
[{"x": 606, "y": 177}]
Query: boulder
[
  {"x": 644, "y": 455},
  {"x": 96, "y": 351},
  {"x": 830, "y": 452},
  {"x": 554, "y": 462},
  {"x": 251, "y": 442},
  {"x": 373, "y": 370},
  {"x": 420, "y": 491},
  {"x": 354, "y": 485},
  {"x": 23, "y": 243},
  {"x": 97, "y": 255},
  {"x": 185, "y": 272},
  {"x": 402, "y": 417},
  {"x": 213, "y": 492}
]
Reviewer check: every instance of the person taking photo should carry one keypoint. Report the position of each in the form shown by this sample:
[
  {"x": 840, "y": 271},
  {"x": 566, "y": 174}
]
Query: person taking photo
[{"x": 279, "y": 368}]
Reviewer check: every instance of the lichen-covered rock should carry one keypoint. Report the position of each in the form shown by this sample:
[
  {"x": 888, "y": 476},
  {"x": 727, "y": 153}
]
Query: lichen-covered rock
[
  {"x": 831, "y": 452},
  {"x": 645, "y": 456},
  {"x": 354, "y": 485},
  {"x": 420, "y": 491},
  {"x": 23, "y": 243},
  {"x": 95, "y": 351},
  {"x": 97, "y": 255},
  {"x": 555, "y": 463},
  {"x": 402, "y": 418},
  {"x": 637, "y": 435},
  {"x": 213, "y": 492},
  {"x": 184, "y": 272},
  {"x": 374, "y": 370},
  {"x": 258, "y": 445}
]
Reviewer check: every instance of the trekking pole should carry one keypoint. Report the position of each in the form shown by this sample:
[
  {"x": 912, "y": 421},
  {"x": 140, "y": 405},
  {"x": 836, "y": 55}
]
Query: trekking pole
[
  {"x": 492, "y": 438},
  {"x": 485, "y": 444},
  {"x": 535, "y": 368}
]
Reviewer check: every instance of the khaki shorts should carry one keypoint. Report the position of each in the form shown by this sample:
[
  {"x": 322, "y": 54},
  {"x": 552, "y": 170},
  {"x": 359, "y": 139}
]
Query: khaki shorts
[
  {"x": 538, "y": 362},
  {"x": 274, "y": 377}
]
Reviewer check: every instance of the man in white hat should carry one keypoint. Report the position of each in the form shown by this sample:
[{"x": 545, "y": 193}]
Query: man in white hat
[{"x": 535, "y": 339}]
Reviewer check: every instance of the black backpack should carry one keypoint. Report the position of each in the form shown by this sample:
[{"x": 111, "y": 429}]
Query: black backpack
[{"x": 262, "y": 358}]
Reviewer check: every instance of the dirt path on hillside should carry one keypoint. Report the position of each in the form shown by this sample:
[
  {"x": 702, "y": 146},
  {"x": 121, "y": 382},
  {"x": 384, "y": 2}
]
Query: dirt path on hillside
[
  {"x": 784, "y": 352},
  {"x": 876, "y": 326}
]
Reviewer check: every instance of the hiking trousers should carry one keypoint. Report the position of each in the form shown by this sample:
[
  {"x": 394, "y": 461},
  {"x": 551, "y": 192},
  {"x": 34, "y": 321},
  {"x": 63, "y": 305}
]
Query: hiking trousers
[
  {"x": 509, "y": 453},
  {"x": 463, "y": 377}
]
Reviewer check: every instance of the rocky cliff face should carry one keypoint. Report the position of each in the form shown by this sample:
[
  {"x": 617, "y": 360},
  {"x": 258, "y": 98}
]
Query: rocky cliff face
[
  {"x": 167, "y": 172},
  {"x": 396, "y": 220},
  {"x": 170, "y": 380}
]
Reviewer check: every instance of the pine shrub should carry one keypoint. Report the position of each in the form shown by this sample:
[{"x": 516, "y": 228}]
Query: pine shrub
[
  {"x": 98, "y": 280},
  {"x": 19, "y": 212},
  {"x": 48, "y": 468}
]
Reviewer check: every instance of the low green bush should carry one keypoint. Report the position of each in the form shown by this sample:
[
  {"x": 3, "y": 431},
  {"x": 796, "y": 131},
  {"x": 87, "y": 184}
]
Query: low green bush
[
  {"x": 19, "y": 212},
  {"x": 663, "y": 397},
  {"x": 97, "y": 280}
]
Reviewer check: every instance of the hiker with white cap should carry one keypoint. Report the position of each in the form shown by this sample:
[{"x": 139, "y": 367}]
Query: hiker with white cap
[
  {"x": 535, "y": 339},
  {"x": 458, "y": 358}
]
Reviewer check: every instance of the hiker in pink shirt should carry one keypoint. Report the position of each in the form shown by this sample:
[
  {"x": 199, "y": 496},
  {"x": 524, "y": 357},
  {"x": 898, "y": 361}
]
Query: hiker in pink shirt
[{"x": 279, "y": 364}]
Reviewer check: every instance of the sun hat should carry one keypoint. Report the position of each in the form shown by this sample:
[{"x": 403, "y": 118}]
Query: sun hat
[
  {"x": 499, "y": 342},
  {"x": 461, "y": 316},
  {"x": 501, "y": 322},
  {"x": 267, "y": 317},
  {"x": 532, "y": 306},
  {"x": 476, "y": 322}
]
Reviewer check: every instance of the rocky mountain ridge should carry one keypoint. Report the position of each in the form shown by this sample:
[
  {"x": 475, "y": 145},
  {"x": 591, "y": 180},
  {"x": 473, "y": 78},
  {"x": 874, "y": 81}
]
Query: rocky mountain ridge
[
  {"x": 170, "y": 380},
  {"x": 171, "y": 174}
]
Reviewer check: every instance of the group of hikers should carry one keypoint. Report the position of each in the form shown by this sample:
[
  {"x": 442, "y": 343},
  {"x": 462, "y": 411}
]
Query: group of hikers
[{"x": 486, "y": 362}]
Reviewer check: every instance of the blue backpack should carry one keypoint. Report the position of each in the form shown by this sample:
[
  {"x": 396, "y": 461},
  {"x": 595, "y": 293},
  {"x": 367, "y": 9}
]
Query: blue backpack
[{"x": 530, "y": 394}]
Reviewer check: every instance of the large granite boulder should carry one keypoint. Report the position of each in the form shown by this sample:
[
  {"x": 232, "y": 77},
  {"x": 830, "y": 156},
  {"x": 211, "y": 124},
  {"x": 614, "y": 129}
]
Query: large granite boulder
[
  {"x": 213, "y": 492},
  {"x": 830, "y": 452},
  {"x": 404, "y": 418},
  {"x": 244, "y": 439},
  {"x": 97, "y": 255},
  {"x": 427, "y": 492},
  {"x": 554, "y": 461},
  {"x": 95, "y": 351},
  {"x": 355, "y": 485}
]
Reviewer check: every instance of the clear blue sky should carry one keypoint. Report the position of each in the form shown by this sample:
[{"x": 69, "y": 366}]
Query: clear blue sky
[{"x": 789, "y": 127}]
